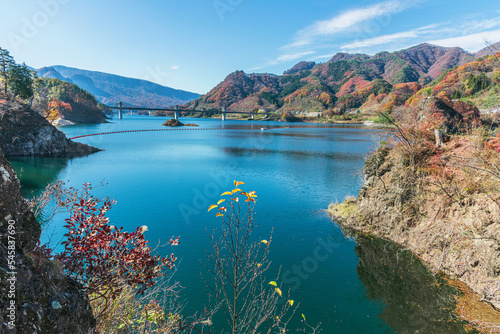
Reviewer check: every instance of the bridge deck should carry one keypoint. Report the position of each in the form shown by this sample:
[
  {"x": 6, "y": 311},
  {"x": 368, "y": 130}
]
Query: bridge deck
[{"x": 181, "y": 110}]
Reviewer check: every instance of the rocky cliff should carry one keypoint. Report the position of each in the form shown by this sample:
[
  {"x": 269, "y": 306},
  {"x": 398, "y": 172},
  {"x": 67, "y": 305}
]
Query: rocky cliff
[
  {"x": 36, "y": 296},
  {"x": 24, "y": 132},
  {"x": 448, "y": 219}
]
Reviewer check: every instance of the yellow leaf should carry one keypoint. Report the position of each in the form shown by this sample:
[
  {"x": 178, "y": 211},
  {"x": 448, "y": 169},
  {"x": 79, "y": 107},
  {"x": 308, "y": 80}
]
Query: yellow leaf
[
  {"x": 238, "y": 183},
  {"x": 258, "y": 265},
  {"x": 264, "y": 242},
  {"x": 303, "y": 317},
  {"x": 212, "y": 207},
  {"x": 219, "y": 202},
  {"x": 273, "y": 283},
  {"x": 226, "y": 193},
  {"x": 250, "y": 200},
  {"x": 236, "y": 190},
  {"x": 278, "y": 291},
  {"x": 290, "y": 302},
  {"x": 219, "y": 214}
]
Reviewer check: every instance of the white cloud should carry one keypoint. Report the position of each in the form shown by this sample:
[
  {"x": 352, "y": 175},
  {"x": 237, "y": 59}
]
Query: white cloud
[
  {"x": 391, "y": 38},
  {"x": 292, "y": 56},
  {"x": 380, "y": 40},
  {"x": 323, "y": 57},
  {"x": 282, "y": 59},
  {"x": 471, "y": 42},
  {"x": 473, "y": 26},
  {"x": 350, "y": 21},
  {"x": 175, "y": 67}
]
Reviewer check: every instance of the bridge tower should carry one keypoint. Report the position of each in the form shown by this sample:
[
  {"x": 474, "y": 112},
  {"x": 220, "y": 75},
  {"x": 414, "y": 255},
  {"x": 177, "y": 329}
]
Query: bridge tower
[
  {"x": 120, "y": 114},
  {"x": 176, "y": 113},
  {"x": 223, "y": 113}
]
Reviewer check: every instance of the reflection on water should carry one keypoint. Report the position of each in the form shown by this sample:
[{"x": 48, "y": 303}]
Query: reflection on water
[
  {"x": 339, "y": 156},
  {"x": 415, "y": 300},
  {"x": 36, "y": 172}
]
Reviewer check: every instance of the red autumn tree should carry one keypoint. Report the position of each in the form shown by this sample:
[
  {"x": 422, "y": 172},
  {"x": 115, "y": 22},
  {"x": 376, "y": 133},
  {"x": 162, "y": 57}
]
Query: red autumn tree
[{"x": 103, "y": 256}]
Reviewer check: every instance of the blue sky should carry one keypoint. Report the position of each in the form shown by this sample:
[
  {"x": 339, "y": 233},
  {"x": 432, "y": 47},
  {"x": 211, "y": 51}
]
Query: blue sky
[{"x": 195, "y": 44}]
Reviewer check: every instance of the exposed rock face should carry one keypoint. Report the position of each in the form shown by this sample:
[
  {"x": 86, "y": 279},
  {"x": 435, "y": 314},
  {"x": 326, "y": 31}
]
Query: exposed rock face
[
  {"x": 24, "y": 132},
  {"x": 44, "y": 299},
  {"x": 461, "y": 238}
]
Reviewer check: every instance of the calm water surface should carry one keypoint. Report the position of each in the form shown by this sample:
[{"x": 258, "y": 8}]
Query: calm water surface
[{"x": 166, "y": 180}]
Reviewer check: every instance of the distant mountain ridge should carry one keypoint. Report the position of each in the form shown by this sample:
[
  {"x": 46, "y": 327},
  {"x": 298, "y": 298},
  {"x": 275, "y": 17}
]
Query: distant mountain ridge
[
  {"x": 110, "y": 89},
  {"x": 431, "y": 60},
  {"x": 345, "y": 81}
]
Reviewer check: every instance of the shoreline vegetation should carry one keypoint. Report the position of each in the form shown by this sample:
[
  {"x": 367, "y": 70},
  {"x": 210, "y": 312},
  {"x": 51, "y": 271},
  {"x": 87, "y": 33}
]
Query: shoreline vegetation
[{"x": 439, "y": 200}]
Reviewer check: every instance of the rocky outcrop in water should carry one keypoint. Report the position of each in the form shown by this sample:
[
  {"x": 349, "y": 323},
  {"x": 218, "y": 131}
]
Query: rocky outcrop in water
[
  {"x": 36, "y": 296},
  {"x": 24, "y": 132}
]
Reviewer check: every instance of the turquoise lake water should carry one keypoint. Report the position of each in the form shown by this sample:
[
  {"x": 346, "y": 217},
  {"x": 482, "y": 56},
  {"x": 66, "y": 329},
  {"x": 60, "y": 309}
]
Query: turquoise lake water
[{"x": 166, "y": 180}]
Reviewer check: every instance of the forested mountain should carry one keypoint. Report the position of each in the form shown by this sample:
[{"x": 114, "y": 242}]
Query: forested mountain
[
  {"x": 110, "y": 89},
  {"x": 345, "y": 81},
  {"x": 60, "y": 100}
]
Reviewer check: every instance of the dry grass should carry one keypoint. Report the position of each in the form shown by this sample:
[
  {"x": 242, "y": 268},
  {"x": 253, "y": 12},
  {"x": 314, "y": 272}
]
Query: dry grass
[
  {"x": 158, "y": 311},
  {"x": 344, "y": 210}
]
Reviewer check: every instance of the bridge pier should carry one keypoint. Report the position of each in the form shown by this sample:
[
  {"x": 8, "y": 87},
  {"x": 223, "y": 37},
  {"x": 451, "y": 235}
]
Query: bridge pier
[
  {"x": 176, "y": 113},
  {"x": 223, "y": 113},
  {"x": 120, "y": 113}
]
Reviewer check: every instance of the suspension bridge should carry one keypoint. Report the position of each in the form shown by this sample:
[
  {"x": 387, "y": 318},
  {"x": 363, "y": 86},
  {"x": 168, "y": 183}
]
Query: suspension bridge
[{"x": 176, "y": 111}]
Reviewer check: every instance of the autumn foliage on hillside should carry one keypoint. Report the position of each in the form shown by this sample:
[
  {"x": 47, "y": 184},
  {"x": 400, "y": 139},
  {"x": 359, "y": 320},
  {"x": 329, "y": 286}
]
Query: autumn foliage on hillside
[
  {"x": 376, "y": 83},
  {"x": 53, "y": 109},
  {"x": 56, "y": 98}
]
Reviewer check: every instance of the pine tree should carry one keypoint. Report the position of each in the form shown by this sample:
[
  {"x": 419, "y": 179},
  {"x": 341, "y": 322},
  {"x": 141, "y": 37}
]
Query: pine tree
[
  {"x": 6, "y": 63},
  {"x": 21, "y": 81}
]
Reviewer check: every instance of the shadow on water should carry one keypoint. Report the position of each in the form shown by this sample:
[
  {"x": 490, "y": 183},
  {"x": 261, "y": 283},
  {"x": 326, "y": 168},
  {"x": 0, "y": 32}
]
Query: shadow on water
[
  {"x": 35, "y": 173},
  {"x": 415, "y": 300},
  {"x": 251, "y": 152}
]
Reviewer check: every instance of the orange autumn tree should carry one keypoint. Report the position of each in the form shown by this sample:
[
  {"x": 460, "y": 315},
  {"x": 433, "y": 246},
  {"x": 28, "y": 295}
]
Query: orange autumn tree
[{"x": 55, "y": 108}]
